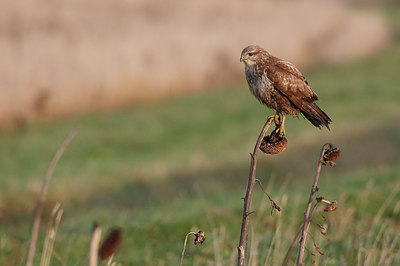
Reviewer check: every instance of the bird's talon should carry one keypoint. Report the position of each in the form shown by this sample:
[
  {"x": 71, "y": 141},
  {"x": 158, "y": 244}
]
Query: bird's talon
[{"x": 277, "y": 119}]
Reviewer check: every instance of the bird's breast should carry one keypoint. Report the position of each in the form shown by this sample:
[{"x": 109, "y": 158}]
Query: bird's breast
[{"x": 260, "y": 86}]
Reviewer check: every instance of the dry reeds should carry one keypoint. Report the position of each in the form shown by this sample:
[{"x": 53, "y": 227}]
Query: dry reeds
[
  {"x": 54, "y": 222},
  {"x": 94, "y": 245},
  {"x": 42, "y": 196}
]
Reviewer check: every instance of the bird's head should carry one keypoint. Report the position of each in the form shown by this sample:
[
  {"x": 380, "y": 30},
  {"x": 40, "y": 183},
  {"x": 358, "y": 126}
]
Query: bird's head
[{"x": 251, "y": 54}]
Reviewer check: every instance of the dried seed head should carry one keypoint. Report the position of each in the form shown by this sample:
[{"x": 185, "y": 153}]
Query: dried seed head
[
  {"x": 111, "y": 243},
  {"x": 331, "y": 207},
  {"x": 331, "y": 155},
  {"x": 273, "y": 143},
  {"x": 200, "y": 238},
  {"x": 275, "y": 206}
]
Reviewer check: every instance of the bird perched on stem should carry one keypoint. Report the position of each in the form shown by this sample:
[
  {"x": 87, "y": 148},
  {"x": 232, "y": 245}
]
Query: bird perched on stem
[{"x": 280, "y": 85}]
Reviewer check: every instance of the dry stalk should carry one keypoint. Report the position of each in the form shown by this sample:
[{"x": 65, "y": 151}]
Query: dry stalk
[
  {"x": 306, "y": 223},
  {"x": 247, "y": 199},
  {"x": 94, "y": 245},
  {"x": 274, "y": 206},
  {"x": 42, "y": 196},
  {"x": 54, "y": 222},
  {"x": 200, "y": 238},
  {"x": 109, "y": 261},
  {"x": 299, "y": 230}
]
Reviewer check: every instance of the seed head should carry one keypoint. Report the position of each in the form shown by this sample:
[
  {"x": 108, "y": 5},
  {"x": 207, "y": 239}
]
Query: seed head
[
  {"x": 111, "y": 244},
  {"x": 331, "y": 207},
  {"x": 330, "y": 155},
  {"x": 273, "y": 143},
  {"x": 200, "y": 238}
]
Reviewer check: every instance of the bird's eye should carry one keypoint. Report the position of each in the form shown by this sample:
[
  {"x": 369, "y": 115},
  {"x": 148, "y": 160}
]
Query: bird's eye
[{"x": 250, "y": 54}]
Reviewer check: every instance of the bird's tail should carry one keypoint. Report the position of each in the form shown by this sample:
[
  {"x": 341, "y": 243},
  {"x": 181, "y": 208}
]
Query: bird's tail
[{"x": 316, "y": 116}]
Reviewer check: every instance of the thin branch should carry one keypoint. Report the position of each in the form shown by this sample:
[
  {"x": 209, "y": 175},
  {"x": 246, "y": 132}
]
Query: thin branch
[
  {"x": 184, "y": 246},
  {"x": 306, "y": 223},
  {"x": 273, "y": 204},
  {"x": 42, "y": 196},
  {"x": 247, "y": 200}
]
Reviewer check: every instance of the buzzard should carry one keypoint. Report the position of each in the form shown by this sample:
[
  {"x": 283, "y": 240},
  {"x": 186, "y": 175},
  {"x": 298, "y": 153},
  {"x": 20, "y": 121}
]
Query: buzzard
[{"x": 279, "y": 85}]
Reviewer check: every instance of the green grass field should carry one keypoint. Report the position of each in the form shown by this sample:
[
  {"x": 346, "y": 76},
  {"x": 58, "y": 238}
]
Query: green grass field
[{"x": 161, "y": 170}]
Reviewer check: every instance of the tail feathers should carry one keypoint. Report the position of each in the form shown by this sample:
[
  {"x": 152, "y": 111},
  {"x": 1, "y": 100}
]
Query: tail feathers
[{"x": 316, "y": 116}]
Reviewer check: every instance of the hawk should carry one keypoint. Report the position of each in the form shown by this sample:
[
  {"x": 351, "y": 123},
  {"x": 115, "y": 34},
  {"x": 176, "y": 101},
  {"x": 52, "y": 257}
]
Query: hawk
[{"x": 279, "y": 85}]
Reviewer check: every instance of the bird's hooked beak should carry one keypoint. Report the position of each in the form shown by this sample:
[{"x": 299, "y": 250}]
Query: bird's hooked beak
[{"x": 242, "y": 58}]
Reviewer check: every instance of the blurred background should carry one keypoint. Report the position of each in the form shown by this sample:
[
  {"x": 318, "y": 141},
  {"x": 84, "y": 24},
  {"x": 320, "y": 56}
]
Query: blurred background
[
  {"x": 65, "y": 57},
  {"x": 166, "y": 123}
]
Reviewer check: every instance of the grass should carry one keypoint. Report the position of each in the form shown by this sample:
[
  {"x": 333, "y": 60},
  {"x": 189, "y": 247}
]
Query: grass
[{"x": 161, "y": 170}]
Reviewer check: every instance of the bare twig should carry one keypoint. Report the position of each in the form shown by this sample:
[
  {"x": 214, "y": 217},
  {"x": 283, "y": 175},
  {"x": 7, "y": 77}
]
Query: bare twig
[
  {"x": 94, "y": 245},
  {"x": 247, "y": 200},
  {"x": 307, "y": 216},
  {"x": 42, "y": 196},
  {"x": 273, "y": 203}
]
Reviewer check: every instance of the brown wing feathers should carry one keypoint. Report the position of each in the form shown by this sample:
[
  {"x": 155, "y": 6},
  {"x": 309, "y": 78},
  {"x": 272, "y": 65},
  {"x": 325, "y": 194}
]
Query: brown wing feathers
[
  {"x": 315, "y": 115},
  {"x": 290, "y": 82}
]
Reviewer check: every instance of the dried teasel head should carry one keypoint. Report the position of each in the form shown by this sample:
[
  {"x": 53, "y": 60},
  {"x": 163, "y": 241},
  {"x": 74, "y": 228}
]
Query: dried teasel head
[
  {"x": 111, "y": 243},
  {"x": 273, "y": 143},
  {"x": 331, "y": 206},
  {"x": 200, "y": 238},
  {"x": 330, "y": 155}
]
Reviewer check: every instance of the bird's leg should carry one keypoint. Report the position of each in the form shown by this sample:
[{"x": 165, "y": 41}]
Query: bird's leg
[
  {"x": 277, "y": 119},
  {"x": 282, "y": 132},
  {"x": 280, "y": 125}
]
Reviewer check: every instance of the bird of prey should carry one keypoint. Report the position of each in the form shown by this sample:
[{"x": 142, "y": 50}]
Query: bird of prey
[{"x": 280, "y": 85}]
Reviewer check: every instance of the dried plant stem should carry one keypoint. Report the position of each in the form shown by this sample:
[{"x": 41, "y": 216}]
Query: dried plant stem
[
  {"x": 184, "y": 246},
  {"x": 94, "y": 245},
  {"x": 247, "y": 200},
  {"x": 299, "y": 230},
  {"x": 306, "y": 223},
  {"x": 42, "y": 196},
  {"x": 109, "y": 261},
  {"x": 54, "y": 222},
  {"x": 274, "y": 206}
]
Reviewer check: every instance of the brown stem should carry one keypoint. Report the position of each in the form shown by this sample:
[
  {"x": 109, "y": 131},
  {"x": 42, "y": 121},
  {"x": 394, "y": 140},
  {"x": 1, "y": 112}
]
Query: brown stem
[
  {"x": 290, "y": 250},
  {"x": 42, "y": 196},
  {"x": 274, "y": 206},
  {"x": 247, "y": 199},
  {"x": 306, "y": 223},
  {"x": 184, "y": 246}
]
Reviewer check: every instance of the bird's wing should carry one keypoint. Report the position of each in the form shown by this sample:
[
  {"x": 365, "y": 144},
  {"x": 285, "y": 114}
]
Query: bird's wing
[{"x": 288, "y": 80}]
